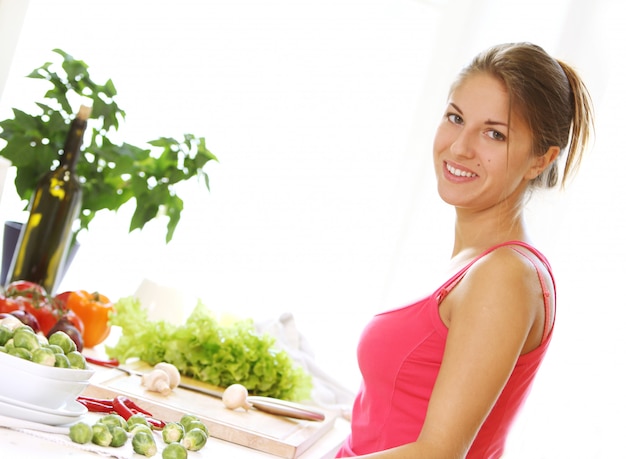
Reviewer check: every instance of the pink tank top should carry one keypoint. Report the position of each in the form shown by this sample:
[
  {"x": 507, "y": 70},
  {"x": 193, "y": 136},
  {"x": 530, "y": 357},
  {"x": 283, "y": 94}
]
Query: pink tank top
[{"x": 399, "y": 355}]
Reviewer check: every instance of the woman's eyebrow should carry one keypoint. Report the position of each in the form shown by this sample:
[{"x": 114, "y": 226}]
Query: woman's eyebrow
[
  {"x": 489, "y": 122},
  {"x": 496, "y": 123},
  {"x": 456, "y": 107}
]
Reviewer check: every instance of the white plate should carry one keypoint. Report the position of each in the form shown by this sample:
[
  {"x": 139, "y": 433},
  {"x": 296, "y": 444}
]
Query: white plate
[
  {"x": 73, "y": 408},
  {"x": 16, "y": 409}
]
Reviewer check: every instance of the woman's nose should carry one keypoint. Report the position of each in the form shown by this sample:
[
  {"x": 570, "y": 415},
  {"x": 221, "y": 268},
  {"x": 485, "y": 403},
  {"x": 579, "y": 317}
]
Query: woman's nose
[{"x": 463, "y": 145}]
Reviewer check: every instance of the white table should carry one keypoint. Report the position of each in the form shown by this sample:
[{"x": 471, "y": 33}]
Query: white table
[{"x": 16, "y": 444}]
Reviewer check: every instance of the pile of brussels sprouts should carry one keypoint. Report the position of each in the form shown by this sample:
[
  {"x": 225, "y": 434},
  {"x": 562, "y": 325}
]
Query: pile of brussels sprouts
[
  {"x": 189, "y": 434},
  {"x": 59, "y": 350}
]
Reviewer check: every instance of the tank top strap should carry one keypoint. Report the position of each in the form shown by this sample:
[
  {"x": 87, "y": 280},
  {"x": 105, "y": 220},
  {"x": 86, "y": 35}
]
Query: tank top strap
[
  {"x": 547, "y": 327},
  {"x": 447, "y": 287}
]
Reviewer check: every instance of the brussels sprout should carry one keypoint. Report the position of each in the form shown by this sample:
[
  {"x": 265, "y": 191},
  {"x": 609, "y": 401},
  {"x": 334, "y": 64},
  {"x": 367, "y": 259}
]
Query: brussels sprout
[
  {"x": 118, "y": 436},
  {"x": 26, "y": 339},
  {"x": 197, "y": 425},
  {"x": 174, "y": 451},
  {"x": 55, "y": 348},
  {"x": 77, "y": 360},
  {"x": 195, "y": 439},
  {"x": 61, "y": 361},
  {"x": 5, "y": 335},
  {"x": 137, "y": 419},
  {"x": 113, "y": 420},
  {"x": 24, "y": 328},
  {"x": 143, "y": 443},
  {"x": 43, "y": 341},
  {"x": 63, "y": 340},
  {"x": 138, "y": 427},
  {"x": 81, "y": 433},
  {"x": 173, "y": 432},
  {"x": 101, "y": 435},
  {"x": 187, "y": 419},
  {"x": 44, "y": 356},
  {"x": 19, "y": 352}
]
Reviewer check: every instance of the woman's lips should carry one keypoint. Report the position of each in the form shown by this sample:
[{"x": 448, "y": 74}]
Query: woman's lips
[{"x": 458, "y": 172}]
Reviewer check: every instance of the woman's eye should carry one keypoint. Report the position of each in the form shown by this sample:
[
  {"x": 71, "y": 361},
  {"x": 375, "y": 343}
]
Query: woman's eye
[
  {"x": 454, "y": 118},
  {"x": 496, "y": 135}
]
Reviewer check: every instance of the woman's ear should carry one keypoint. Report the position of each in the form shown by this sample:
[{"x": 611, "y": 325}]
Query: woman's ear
[{"x": 541, "y": 163}]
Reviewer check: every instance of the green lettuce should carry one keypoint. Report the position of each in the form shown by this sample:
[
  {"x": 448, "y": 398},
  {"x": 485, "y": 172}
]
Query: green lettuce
[{"x": 204, "y": 349}]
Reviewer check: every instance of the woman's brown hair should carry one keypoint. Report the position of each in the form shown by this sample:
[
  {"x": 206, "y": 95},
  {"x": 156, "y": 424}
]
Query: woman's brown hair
[{"x": 549, "y": 95}]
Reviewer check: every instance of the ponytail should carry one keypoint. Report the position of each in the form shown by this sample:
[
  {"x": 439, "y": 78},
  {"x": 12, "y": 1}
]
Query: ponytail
[{"x": 582, "y": 125}]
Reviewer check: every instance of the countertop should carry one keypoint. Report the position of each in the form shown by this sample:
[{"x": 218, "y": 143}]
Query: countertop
[
  {"x": 17, "y": 442},
  {"x": 34, "y": 444}
]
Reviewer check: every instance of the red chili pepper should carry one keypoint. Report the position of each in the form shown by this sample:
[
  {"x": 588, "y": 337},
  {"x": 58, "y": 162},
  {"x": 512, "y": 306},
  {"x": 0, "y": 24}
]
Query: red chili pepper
[
  {"x": 96, "y": 405},
  {"x": 105, "y": 401},
  {"x": 121, "y": 405},
  {"x": 104, "y": 363},
  {"x": 127, "y": 408},
  {"x": 120, "y": 408},
  {"x": 156, "y": 424},
  {"x": 133, "y": 406}
]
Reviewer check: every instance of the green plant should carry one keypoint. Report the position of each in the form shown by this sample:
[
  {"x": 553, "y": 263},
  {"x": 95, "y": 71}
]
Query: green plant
[{"x": 111, "y": 174}]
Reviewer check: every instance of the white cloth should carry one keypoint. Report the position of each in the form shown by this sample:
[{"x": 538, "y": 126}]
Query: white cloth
[{"x": 327, "y": 392}]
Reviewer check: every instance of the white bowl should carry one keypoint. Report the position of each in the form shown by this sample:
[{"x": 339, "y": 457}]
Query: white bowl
[
  {"x": 40, "y": 385},
  {"x": 10, "y": 362}
]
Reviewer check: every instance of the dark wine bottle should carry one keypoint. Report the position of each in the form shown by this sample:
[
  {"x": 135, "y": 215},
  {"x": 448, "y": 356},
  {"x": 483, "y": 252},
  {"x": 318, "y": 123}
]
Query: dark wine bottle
[{"x": 45, "y": 239}]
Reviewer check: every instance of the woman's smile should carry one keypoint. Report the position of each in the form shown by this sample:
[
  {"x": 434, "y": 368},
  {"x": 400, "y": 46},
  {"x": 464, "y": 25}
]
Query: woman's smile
[{"x": 458, "y": 173}]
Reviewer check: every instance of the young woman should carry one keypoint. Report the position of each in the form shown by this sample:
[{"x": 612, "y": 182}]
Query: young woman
[{"x": 445, "y": 376}]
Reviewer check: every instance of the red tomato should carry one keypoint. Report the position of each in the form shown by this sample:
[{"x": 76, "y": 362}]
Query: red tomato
[
  {"x": 27, "y": 289},
  {"x": 45, "y": 314},
  {"x": 61, "y": 298},
  {"x": 33, "y": 298},
  {"x": 9, "y": 304}
]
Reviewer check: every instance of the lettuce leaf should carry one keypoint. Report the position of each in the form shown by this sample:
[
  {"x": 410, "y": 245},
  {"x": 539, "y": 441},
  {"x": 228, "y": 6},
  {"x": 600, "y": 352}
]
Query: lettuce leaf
[{"x": 203, "y": 349}]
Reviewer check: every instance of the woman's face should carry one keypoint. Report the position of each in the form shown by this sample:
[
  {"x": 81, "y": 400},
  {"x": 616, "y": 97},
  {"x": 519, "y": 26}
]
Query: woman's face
[{"x": 482, "y": 152}]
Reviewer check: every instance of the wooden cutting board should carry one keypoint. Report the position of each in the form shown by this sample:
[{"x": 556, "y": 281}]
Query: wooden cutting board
[{"x": 276, "y": 435}]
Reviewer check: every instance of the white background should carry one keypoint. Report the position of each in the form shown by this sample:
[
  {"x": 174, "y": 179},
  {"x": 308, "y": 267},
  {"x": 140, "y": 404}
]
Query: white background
[{"x": 323, "y": 203}]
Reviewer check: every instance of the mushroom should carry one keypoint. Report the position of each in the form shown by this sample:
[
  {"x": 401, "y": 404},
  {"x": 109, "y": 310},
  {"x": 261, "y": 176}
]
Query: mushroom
[
  {"x": 236, "y": 396},
  {"x": 163, "y": 378},
  {"x": 157, "y": 381},
  {"x": 172, "y": 373}
]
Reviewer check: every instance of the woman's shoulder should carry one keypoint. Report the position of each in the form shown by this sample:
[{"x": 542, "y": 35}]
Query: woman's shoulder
[
  {"x": 509, "y": 263},
  {"x": 507, "y": 260},
  {"x": 510, "y": 284},
  {"x": 503, "y": 280}
]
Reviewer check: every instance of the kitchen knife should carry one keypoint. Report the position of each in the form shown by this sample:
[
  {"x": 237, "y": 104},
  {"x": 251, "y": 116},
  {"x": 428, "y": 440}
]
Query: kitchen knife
[{"x": 267, "y": 404}]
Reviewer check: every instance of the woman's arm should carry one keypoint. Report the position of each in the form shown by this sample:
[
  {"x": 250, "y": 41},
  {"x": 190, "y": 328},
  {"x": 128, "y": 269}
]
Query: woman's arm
[{"x": 494, "y": 314}]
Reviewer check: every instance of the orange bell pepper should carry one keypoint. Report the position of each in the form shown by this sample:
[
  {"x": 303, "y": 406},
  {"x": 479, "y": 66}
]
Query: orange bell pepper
[{"x": 93, "y": 309}]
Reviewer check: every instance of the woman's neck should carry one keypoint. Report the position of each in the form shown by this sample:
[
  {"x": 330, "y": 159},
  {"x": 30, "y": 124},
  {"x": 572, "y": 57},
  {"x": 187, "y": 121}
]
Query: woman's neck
[{"x": 476, "y": 232}]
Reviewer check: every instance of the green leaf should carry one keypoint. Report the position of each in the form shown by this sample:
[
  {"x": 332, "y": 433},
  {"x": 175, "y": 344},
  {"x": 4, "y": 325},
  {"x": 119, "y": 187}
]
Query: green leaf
[
  {"x": 111, "y": 174},
  {"x": 174, "y": 210},
  {"x": 147, "y": 209}
]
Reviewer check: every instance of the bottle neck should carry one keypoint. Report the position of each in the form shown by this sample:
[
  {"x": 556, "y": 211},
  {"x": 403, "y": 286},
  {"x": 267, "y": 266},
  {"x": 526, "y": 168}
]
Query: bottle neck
[{"x": 71, "y": 150}]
